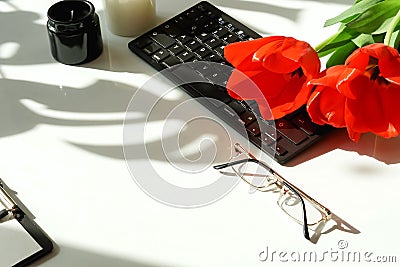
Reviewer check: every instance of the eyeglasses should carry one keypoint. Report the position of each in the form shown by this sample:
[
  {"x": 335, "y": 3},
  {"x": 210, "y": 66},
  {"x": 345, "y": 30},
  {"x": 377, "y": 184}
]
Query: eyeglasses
[{"x": 293, "y": 201}]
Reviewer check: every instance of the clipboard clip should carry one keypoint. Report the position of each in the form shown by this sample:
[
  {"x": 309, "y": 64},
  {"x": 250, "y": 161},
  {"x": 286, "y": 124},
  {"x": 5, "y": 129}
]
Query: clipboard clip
[{"x": 15, "y": 209}]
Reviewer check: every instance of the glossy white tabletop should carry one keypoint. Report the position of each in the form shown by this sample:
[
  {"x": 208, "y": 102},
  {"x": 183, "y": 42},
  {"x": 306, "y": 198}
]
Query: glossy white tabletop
[{"x": 62, "y": 142}]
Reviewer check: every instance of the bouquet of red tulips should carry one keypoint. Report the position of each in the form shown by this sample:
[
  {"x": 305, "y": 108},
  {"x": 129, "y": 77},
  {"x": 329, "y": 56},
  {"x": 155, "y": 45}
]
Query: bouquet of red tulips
[{"x": 360, "y": 87}]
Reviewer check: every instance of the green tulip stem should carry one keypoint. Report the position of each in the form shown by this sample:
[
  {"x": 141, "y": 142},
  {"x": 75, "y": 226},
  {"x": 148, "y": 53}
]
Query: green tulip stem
[
  {"x": 392, "y": 26},
  {"x": 327, "y": 41}
]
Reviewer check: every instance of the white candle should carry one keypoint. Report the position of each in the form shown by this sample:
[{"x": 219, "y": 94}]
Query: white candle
[{"x": 129, "y": 17}]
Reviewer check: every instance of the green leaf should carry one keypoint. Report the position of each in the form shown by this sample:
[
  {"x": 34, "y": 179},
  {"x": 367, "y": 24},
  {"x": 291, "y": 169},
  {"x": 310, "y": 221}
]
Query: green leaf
[
  {"x": 341, "y": 37},
  {"x": 331, "y": 47},
  {"x": 340, "y": 55},
  {"x": 378, "y": 38},
  {"x": 376, "y": 19},
  {"x": 395, "y": 40},
  {"x": 351, "y": 13},
  {"x": 325, "y": 53},
  {"x": 363, "y": 39}
]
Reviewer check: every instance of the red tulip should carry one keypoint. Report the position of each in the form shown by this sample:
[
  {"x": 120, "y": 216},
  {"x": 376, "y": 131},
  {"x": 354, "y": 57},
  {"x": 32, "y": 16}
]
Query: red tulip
[
  {"x": 363, "y": 95},
  {"x": 326, "y": 104},
  {"x": 279, "y": 66}
]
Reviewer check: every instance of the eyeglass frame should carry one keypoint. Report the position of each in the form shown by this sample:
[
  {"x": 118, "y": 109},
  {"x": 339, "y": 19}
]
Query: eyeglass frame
[{"x": 325, "y": 212}]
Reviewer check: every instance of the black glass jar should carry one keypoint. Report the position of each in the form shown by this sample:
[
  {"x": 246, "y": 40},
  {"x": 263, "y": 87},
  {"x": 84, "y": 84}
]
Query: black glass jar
[{"x": 74, "y": 32}]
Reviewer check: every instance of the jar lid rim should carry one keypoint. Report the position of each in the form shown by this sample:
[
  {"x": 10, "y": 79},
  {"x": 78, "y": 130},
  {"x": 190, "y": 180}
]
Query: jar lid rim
[{"x": 63, "y": 3}]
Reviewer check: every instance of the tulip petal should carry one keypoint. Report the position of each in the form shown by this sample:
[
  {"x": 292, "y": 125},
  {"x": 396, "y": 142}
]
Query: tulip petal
[
  {"x": 351, "y": 83},
  {"x": 390, "y": 70},
  {"x": 366, "y": 113},
  {"x": 245, "y": 85},
  {"x": 313, "y": 107},
  {"x": 380, "y": 51},
  {"x": 272, "y": 59},
  {"x": 304, "y": 54},
  {"x": 240, "y": 54},
  {"x": 326, "y": 106},
  {"x": 390, "y": 100},
  {"x": 358, "y": 60},
  {"x": 329, "y": 77}
]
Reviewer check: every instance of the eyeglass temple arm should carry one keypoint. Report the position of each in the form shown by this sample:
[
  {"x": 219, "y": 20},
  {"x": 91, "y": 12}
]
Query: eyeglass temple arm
[
  {"x": 233, "y": 163},
  {"x": 229, "y": 164}
]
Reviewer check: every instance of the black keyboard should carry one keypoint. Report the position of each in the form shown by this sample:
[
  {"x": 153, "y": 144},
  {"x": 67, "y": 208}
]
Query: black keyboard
[{"x": 197, "y": 36}]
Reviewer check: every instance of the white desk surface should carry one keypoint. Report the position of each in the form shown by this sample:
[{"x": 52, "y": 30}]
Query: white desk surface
[{"x": 61, "y": 142}]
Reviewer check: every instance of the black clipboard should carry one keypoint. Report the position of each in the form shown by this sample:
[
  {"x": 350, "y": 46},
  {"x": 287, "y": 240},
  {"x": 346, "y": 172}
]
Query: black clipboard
[{"x": 11, "y": 208}]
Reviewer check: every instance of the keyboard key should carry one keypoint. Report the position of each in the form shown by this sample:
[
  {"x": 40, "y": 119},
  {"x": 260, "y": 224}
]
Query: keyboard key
[
  {"x": 163, "y": 39},
  {"x": 213, "y": 77},
  {"x": 218, "y": 78},
  {"x": 280, "y": 150},
  {"x": 241, "y": 34},
  {"x": 254, "y": 128},
  {"x": 211, "y": 14},
  {"x": 221, "y": 31},
  {"x": 201, "y": 8},
  {"x": 204, "y": 36},
  {"x": 290, "y": 132},
  {"x": 187, "y": 75},
  {"x": 160, "y": 55},
  {"x": 231, "y": 114},
  {"x": 171, "y": 29},
  {"x": 214, "y": 58},
  {"x": 193, "y": 44},
  {"x": 230, "y": 38},
  {"x": 204, "y": 68},
  {"x": 304, "y": 122},
  {"x": 213, "y": 42},
  {"x": 220, "y": 49},
  {"x": 221, "y": 21},
  {"x": 211, "y": 91},
  {"x": 210, "y": 26},
  {"x": 267, "y": 140},
  {"x": 192, "y": 13},
  {"x": 176, "y": 49},
  {"x": 184, "y": 38},
  {"x": 230, "y": 27},
  {"x": 151, "y": 48},
  {"x": 253, "y": 106},
  {"x": 186, "y": 56},
  {"x": 270, "y": 132},
  {"x": 237, "y": 107},
  {"x": 201, "y": 20},
  {"x": 247, "y": 118},
  {"x": 202, "y": 52},
  {"x": 143, "y": 42},
  {"x": 181, "y": 22},
  {"x": 171, "y": 61}
]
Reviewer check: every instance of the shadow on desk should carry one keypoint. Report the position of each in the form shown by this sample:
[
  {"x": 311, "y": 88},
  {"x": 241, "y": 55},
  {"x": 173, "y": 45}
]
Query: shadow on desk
[
  {"x": 25, "y": 105},
  {"x": 336, "y": 223},
  {"x": 64, "y": 255}
]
